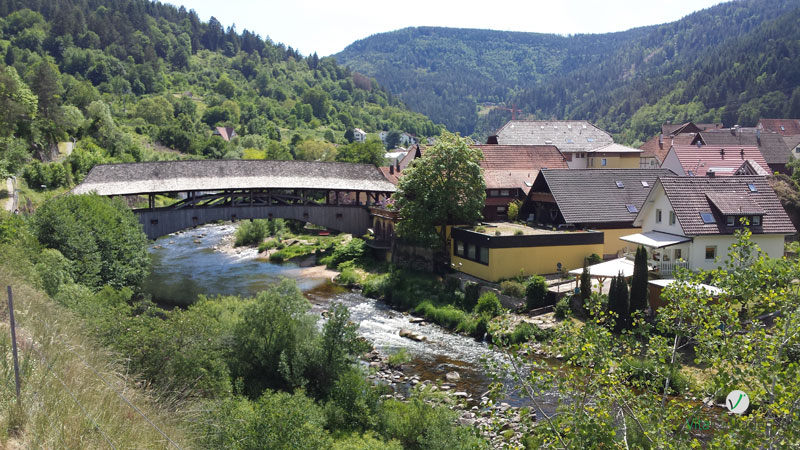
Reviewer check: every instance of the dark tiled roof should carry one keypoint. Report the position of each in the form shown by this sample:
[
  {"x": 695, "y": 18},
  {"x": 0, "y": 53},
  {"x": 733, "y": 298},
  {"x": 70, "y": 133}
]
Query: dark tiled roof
[
  {"x": 700, "y": 160},
  {"x": 210, "y": 175},
  {"x": 567, "y": 135},
  {"x": 586, "y": 196},
  {"x": 659, "y": 151},
  {"x": 689, "y": 196},
  {"x": 391, "y": 175},
  {"x": 771, "y": 145},
  {"x": 785, "y": 127},
  {"x": 734, "y": 203}
]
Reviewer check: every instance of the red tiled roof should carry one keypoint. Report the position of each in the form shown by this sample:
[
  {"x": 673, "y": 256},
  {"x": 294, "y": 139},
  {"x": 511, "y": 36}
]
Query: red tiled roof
[
  {"x": 722, "y": 160},
  {"x": 226, "y": 132},
  {"x": 521, "y": 157},
  {"x": 510, "y": 179},
  {"x": 392, "y": 177},
  {"x": 689, "y": 196},
  {"x": 652, "y": 148},
  {"x": 786, "y": 127}
]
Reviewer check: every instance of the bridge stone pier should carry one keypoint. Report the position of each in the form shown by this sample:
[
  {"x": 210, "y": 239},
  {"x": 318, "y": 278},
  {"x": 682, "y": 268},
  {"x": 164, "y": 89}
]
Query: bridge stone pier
[{"x": 333, "y": 195}]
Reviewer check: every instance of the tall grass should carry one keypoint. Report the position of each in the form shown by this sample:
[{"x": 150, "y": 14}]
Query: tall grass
[{"x": 53, "y": 350}]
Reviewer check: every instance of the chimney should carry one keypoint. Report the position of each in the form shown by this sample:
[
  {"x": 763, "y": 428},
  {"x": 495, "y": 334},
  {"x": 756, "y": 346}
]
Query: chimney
[
  {"x": 758, "y": 137},
  {"x": 397, "y": 163},
  {"x": 741, "y": 153},
  {"x": 661, "y": 140},
  {"x": 391, "y": 169},
  {"x": 722, "y": 153}
]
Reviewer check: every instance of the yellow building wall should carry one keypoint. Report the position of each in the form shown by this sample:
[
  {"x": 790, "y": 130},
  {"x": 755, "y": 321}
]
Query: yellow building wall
[
  {"x": 613, "y": 244},
  {"x": 614, "y": 161},
  {"x": 507, "y": 262}
]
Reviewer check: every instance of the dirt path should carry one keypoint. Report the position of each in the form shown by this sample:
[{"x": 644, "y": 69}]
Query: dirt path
[{"x": 9, "y": 205}]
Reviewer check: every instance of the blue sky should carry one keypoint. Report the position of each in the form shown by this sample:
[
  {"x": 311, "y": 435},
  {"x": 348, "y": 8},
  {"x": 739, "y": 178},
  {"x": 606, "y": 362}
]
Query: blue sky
[{"x": 329, "y": 26}]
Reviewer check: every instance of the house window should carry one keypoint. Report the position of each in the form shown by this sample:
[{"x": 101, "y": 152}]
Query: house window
[
  {"x": 632, "y": 209},
  {"x": 731, "y": 221},
  {"x": 711, "y": 252},
  {"x": 658, "y": 216},
  {"x": 501, "y": 210},
  {"x": 504, "y": 193},
  {"x": 666, "y": 255},
  {"x": 707, "y": 217},
  {"x": 603, "y": 162},
  {"x": 471, "y": 251},
  {"x": 756, "y": 221},
  {"x": 459, "y": 248},
  {"x": 494, "y": 193},
  {"x": 752, "y": 187},
  {"x": 620, "y": 184},
  {"x": 672, "y": 217},
  {"x": 645, "y": 184},
  {"x": 677, "y": 254},
  {"x": 484, "y": 255}
]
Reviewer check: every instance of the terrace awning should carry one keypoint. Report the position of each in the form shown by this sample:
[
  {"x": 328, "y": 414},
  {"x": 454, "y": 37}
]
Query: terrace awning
[
  {"x": 609, "y": 269},
  {"x": 655, "y": 239}
]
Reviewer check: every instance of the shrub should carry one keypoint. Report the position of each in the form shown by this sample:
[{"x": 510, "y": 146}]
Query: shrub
[
  {"x": 251, "y": 232},
  {"x": 518, "y": 233},
  {"x": 481, "y": 328},
  {"x": 277, "y": 257},
  {"x": 348, "y": 277},
  {"x": 267, "y": 245},
  {"x": 447, "y": 316},
  {"x": 399, "y": 357},
  {"x": 513, "y": 210},
  {"x": 525, "y": 331},
  {"x": 352, "y": 250},
  {"x": 512, "y": 288},
  {"x": 489, "y": 304},
  {"x": 418, "y": 425},
  {"x": 594, "y": 258},
  {"x": 562, "y": 308},
  {"x": 480, "y": 229},
  {"x": 54, "y": 270},
  {"x": 471, "y": 292},
  {"x": 353, "y": 403},
  {"x": 647, "y": 372},
  {"x": 536, "y": 292},
  {"x": 375, "y": 285},
  {"x": 100, "y": 236}
]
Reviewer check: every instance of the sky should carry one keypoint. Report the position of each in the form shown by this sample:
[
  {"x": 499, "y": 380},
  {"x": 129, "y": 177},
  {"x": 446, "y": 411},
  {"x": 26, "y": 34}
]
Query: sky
[{"x": 328, "y": 26}]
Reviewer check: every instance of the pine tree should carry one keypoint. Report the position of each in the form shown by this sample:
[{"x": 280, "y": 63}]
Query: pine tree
[{"x": 639, "y": 281}]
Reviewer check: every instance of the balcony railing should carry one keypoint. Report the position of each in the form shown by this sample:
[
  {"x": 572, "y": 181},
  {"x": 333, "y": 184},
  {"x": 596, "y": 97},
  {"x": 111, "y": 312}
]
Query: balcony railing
[{"x": 665, "y": 268}]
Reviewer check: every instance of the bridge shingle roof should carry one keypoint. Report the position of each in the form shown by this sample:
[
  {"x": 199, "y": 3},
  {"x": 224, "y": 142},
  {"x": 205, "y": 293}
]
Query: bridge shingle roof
[{"x": 210, "y": 175}]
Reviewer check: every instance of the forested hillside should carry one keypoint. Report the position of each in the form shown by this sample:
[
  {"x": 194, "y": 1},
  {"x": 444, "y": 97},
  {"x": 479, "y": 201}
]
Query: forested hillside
[
  {"x": 732, "y": 62},
  {"x": 132, "y": 80}
]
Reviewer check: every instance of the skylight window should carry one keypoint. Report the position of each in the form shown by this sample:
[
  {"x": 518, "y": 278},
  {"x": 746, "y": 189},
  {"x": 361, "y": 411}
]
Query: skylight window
[
  {"x": 752, "y": 187},
  {"x": 645, "y": 184},
  {"x": 589, "y": 139},
  {"x": 632, "y": 208},
  {"x": 620, "y": 184},
  {"x": 708, "y": 218}
]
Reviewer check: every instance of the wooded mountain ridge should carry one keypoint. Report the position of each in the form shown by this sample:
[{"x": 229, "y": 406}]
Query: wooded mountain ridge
[{"x": 734, "y": 62}]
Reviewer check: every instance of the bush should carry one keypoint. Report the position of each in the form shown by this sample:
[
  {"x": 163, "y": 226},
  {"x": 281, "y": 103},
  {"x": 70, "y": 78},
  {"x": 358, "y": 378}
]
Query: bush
[
  {"x": 269, "y": 244},
  {"x": 489, "y": 305},
  {"x": 352, "y": 250},
  {"x": 512, "y": 288},
  {"x": 524, "y": 332},
  {"x": 647, "y": 372},
  {"x": 252, "y": 232},
  {"x": 563, "y": 308},
  {"x": 101, "y": 237},
  {"x": 348, "y": 277},
  {"x": 536, "y": 293},
  {"x": 594, "y": 258},
  {"x": 471, "y": 292},
  {"x": 54, "y": 270},
  {"x": 399, "y": 357},
  {"x": 446, "y": 316},
  {"x": 367, "y": 441},
  {"x": 353, "y": 403},
  {"x": 375, "y": 285},
  {"x": 277, "y": 257}
]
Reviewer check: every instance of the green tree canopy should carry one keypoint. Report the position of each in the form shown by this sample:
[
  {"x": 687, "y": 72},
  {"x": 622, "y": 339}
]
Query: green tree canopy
[
  {"x": 444, "y": 187},
  {"x": 101, "y": 237}
]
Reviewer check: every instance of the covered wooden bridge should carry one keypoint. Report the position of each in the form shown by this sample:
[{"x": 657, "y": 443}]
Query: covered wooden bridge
[{"x": 334, "y": 195}]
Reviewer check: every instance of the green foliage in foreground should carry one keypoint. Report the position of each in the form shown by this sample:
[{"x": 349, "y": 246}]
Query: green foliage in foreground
[
  {"x": 618, "y": 389},
  {"x": 101, "y": 238}
]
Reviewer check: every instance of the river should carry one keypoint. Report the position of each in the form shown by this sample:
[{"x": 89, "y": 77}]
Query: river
[{"x": 186, "y": 265}]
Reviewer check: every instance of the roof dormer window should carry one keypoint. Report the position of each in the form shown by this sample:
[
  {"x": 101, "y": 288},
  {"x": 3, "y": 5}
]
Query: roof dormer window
[{"x": 620, "y": 184}]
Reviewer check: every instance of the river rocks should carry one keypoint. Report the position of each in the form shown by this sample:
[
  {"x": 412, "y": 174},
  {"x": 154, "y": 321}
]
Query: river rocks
[
  {"x": 416, "y": 320},
  {"x": 452, "y": 376},
  {"x": 408, "y": 334}
]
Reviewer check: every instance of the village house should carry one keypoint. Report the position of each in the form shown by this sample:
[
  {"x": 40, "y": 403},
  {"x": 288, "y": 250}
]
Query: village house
[
  {"x": 771, "y": 145},
  {"x": 509, "y": 172},
  {"x": 700, "y": 160},
  {"x": 690, "y": 221},
  {"x": 496, "y": 251},
  {"x": 784, "y": 127},
  {"x": 226, "y": 133},
  {"x": 655, "y": 150},
  {"x": 573, "y": 138},
  {"x": 606, "y": 200},
  {"x": 359, "y": 135}
]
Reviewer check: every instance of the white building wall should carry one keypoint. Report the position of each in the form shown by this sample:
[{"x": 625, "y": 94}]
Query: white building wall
[
  {"x": 671, "y": 161},
  {"x": 771, "y": 244},
  {"x": 577, "y": 163},
  {"x": 658, "y": 200}
]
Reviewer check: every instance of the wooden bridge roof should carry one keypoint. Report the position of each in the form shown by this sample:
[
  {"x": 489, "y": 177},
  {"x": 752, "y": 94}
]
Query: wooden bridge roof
[{"x": 211, "y": 175}]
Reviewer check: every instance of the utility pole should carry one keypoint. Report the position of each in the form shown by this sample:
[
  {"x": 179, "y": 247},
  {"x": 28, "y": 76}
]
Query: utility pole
[{"x": 13, "y": 341}]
